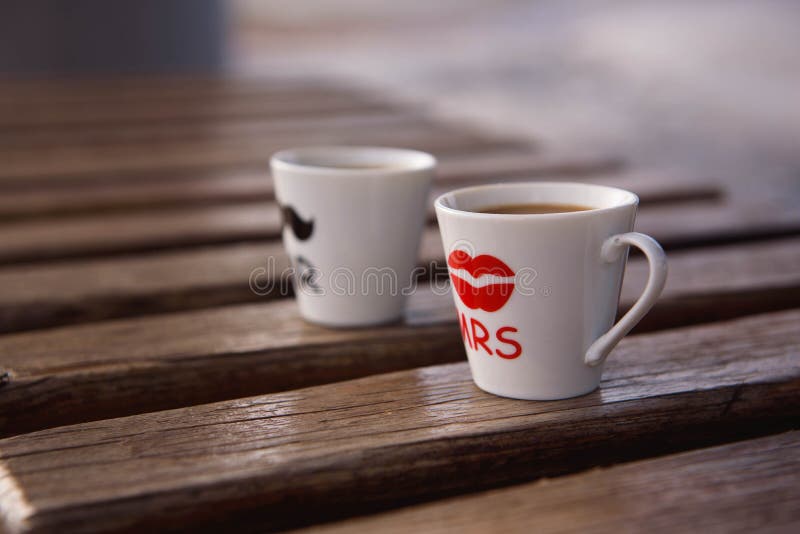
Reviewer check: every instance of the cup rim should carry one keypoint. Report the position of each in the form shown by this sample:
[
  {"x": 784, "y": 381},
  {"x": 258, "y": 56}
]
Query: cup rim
[
  {"x": 630, "y": 199},
  {"x": 397, "y": 160}
]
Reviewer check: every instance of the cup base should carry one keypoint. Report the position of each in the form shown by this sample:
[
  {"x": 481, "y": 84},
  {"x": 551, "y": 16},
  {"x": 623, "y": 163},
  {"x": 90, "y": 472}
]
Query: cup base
[{"x": 535, "y": 396}]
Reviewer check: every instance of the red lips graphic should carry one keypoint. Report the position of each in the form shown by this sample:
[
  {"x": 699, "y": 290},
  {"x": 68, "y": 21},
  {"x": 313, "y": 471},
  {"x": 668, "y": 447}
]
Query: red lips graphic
[{"x": 489, "y": 297}]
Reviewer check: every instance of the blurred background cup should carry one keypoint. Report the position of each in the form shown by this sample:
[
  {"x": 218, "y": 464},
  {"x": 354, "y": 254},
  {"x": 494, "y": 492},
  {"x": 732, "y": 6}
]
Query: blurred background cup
[{"x": 353, "y": 217}]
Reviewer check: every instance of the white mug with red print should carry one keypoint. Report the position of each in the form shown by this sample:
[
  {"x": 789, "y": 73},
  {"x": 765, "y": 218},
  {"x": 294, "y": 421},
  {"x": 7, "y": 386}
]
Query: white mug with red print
[{"x": 537, "y": 294}]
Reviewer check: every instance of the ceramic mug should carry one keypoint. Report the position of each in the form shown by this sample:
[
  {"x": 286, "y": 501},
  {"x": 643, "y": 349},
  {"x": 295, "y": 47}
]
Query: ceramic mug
[
  {"x": 537, "y": 294},
  {"x": 353, "y": 217}
]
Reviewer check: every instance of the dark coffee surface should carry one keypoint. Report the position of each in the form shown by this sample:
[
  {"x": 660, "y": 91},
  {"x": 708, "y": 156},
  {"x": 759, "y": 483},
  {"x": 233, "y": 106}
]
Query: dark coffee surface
[{"x": 523, "y": 209}]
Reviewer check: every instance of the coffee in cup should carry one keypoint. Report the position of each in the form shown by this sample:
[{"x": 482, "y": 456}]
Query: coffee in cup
[{"x": 536, "y": 270}]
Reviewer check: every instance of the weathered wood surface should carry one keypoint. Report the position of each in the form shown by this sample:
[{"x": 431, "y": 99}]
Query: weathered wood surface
[
  {"x": 123, "y": 133},
  {"x": 56, "y": 194},
  {"x": 369, "y": 119},
  {"x": 751, "y": 486},
  {"x": 757, "y": 276},
  {"x": 187, "y": 154},
  {"x": 42, "y": 295},
  {"x": 129, "y": 366},
  {"x": 484, "y": 163},
  {"x": 350, "y": 128},
  {"x": 67, "y": 91},
  {"x": 170, "y": 179},
  {"x": 149, "y": 191},
  {"x": 353, "y": 447},
  {"x": 675, "y": 226},
  {"x": 21, "y": 113},
  {"x": 114, "y": 233},
  {"x": 226, "y": 352},
  {"x": 700, "y": 224},
  {"x": 128, "y": 90},
  {"x": 102, "y": 233}
]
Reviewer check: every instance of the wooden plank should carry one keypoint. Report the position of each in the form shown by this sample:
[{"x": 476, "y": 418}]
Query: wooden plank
[
  {"x": 255, "y": 348},
  {"x": 453, "y": 168},
  {"x": 127, "y": 366},
  {"x": 726, "y": 221},
  {"x": 749, "y": 486},
  {"x": 675, "y": 226},
  {"x": 722, "y": 282},
  {"x": 103, "y": 234},
  {"x": 210, "y": 128},
  {"x": 255, "y": 185},
  {"x": 19, "y": 114},
  {"x": 743, "y": 278},
  {"x": 63, "y": 197},
  {"x": 386, "y": 440},
  {"x": 90, "y": 290},
  {"x": 194, "y": 154},
  {"x": 155, "y": 94},
  {"x": 128, "y": 88}
]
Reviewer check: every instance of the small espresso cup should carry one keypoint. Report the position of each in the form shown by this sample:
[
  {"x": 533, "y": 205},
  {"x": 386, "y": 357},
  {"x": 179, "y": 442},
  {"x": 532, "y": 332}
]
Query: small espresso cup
[
  {"x": 537, "y": 293},
  {"x": 352, "y": 221}
]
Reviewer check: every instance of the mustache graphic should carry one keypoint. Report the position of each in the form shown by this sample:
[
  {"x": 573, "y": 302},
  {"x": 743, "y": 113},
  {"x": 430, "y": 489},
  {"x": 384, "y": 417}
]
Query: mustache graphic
[{"x": 301, "y": 229}]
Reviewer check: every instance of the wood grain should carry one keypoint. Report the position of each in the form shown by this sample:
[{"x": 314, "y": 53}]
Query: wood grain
[
  {"x": 87, "y": 372},
  {"x": 675, "y": 226},
  {"x": 62, "y": 194},
  {"x": 714, "y": 283},
  {"x": 197, "y": 128},
  {"x": 207, "y": 128},
  {"x": 141, "y": 192},
  {"x": 701, "y": 224},
  {"x": 116, "y": 233},
  {"x": 110, "y": 369},
  {"x": 123, "y": 90},
  {"x": 749, "y": 486},
  {"x": 353, "y": 447},
  {"x": 70, "y": 292},
  {"x": 90, "y": 290},
  {"x": 193, "y": 154},
  {"x": 21, "y": 113},
  {"x": 147, "y": 192}
]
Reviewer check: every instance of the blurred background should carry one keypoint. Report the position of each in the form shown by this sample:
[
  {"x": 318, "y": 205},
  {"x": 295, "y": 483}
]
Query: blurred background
[
  {"x": 712, "y": 85},
  {"x": 689, "y": 86}
]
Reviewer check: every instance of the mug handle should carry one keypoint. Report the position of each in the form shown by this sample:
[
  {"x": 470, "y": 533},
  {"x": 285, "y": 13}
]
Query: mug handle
[{"x": 613, "y": 247}]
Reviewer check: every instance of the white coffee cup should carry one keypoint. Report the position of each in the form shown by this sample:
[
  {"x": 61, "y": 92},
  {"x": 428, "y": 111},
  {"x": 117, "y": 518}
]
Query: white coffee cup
[
  {"x": 537, "y": 294},
  {"x": 353, "y": 217}
]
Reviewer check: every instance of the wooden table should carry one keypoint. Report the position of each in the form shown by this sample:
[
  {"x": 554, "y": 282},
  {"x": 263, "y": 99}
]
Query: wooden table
[{"x": 144, "y": 384}]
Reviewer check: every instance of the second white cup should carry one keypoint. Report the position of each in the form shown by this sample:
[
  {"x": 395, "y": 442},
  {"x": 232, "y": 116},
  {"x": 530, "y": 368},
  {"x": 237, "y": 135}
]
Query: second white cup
[{"x": 353, "y": 217}]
